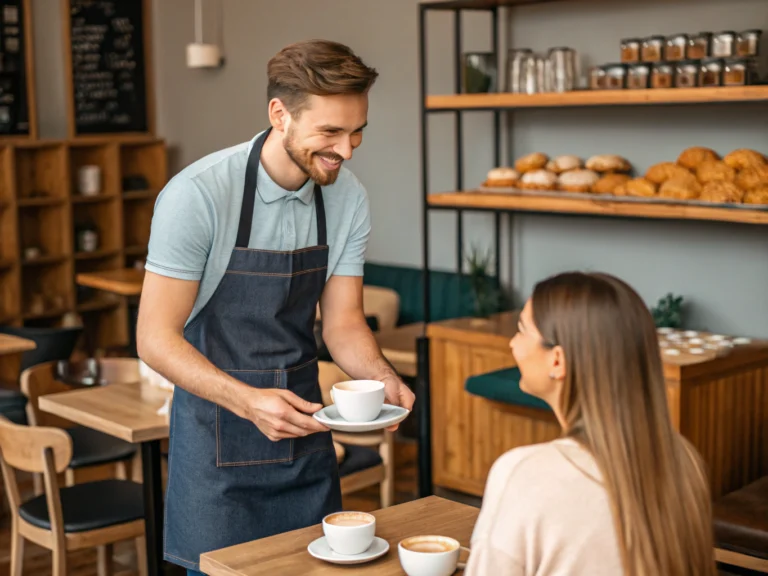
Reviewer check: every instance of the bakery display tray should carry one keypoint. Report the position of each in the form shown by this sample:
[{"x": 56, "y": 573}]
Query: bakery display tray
[{"x": 611, "y": 198}]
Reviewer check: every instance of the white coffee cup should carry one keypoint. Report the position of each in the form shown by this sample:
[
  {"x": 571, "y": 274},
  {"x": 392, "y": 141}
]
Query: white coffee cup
[
  {"x": 349, "y": 533},
  {"x": 89, "y": 180},
  {"x": 430, "y": 555},
  {"x": 358, "y": 400}
]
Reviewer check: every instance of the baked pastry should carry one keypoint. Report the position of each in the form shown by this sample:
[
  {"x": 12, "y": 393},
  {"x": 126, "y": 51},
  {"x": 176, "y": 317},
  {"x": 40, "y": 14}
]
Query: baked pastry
[
  {"x": 753, "y": 177},
  {"x": 744, "y": 158},
  {"x": 501, "y": 177},
  {"x": 719, "y": 191},
  {"x": 531, "y": 162},
  {"x": 757, "y": 195},
  {"x": 680, "y": 189},
  {"x": 636, "y": 187},
  {"x": 608, "y": 163},
  {"x": 691, "y": 157},
  {"x": 577, "y": 180},
  {"x": 660, "y": 173},
  {"x": 538, "y": 180},
  {"x": 715, "y": 171},
  {"x": 608, "y": 183},
  {"x": 561, "y": 164}
]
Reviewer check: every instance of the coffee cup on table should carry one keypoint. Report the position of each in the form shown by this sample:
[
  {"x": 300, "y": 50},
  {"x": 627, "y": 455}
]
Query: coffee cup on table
[
  {"x": 349, "y": 533},
  {"x": 430, "y": 555},
  {"x": 358, "y": 400}
]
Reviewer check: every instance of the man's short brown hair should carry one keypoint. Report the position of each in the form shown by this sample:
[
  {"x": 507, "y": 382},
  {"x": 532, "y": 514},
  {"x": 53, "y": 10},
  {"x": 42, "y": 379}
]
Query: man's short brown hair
[{"x": 318, "y": 67}]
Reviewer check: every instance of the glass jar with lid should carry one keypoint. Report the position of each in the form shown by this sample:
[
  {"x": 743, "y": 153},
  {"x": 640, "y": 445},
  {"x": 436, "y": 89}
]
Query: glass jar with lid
[
  {"x": 723, "y": 44},
  {"x": 687, "y": 74},
  {"x": 630, "y": 50},
  {"x": 653, "y": 49},
  {"x": 615, "y": 76},
  {"x": 662, "y": 75},
  {"x": 675, "y": 47},
  {"x": 699, "y": 46},
  {"x": 597, "y": 78},
  {"x": 748, "y": 43},
  {"x": 711, "y": 72},
  {"x": 738, "y": 71},
  {"x": 638, "y": 76}
]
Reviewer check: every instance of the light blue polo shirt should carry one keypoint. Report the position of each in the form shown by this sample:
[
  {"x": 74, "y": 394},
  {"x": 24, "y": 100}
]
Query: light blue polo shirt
[{"x": 194, "y": 225}]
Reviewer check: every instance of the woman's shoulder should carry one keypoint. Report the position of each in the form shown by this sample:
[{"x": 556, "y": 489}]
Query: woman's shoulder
[{"x": 530, "y": 457}]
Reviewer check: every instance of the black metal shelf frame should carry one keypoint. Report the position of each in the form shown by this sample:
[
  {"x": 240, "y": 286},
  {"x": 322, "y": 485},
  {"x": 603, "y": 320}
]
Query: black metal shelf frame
[{"x": 423, "y": 385}]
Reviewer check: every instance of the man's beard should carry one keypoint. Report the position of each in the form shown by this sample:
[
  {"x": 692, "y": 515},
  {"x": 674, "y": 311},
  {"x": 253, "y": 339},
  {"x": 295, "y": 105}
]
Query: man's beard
[{"x": 305, "y": 160}]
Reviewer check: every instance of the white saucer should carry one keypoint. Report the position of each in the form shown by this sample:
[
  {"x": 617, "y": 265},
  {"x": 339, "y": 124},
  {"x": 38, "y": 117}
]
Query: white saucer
[
  {"x": 322, "y": 551},
  {"x": 389, "y": 416}
]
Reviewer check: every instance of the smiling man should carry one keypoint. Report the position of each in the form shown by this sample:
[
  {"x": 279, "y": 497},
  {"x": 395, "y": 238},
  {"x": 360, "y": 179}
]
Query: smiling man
[{"x": 244, "y": 244}]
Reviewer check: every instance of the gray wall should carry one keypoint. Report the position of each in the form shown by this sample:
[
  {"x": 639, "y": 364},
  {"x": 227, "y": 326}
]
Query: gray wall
[{"x": 721, "y": 269}]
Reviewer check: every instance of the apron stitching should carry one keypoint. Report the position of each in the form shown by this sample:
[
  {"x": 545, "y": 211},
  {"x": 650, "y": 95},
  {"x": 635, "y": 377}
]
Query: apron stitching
[
  {"x": 218, "y": 434},
  {"x": 279, "y": 274},
  {"x": 274, "y": 461},
  {"x": 278, "y": 370},
  {"x": 299, "y": 251}
]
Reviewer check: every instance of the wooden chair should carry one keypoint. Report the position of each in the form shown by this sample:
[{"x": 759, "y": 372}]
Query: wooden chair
[
  {"x": 94, "y": 453},
  {"x": 365, "y": 459},
  {"x": 95, "y": 514},
  {"x": 383, "y": 303}
]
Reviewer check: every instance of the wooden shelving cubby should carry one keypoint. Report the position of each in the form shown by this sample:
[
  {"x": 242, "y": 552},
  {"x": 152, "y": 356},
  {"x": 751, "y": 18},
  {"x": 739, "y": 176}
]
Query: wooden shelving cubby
[{"x": 42, "y": 214}]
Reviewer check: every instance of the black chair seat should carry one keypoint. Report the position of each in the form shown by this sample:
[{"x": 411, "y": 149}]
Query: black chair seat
[
  {"x": 91, "y": 447},
  {"x": 357, "y": 459},
  {"x": 90, "y": 506}
]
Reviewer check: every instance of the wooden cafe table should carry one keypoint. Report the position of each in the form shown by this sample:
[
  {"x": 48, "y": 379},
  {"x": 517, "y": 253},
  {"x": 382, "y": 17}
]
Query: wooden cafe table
[
  {"x": 286, "y": 554},
  {"x": 127, "y": 411}
]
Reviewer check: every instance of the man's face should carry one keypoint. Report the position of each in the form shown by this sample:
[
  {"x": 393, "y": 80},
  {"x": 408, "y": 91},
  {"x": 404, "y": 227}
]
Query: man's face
[{"x": 325, "y": 134}]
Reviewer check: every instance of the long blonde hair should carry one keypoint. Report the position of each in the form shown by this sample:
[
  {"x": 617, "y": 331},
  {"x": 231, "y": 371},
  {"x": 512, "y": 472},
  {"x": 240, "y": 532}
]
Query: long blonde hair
[{"x": 614, "y": 403}]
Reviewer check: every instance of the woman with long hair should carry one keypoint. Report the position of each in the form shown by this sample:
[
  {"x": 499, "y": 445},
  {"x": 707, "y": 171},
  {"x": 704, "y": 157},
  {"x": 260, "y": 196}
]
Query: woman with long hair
[{"x": 621, "y": 492}]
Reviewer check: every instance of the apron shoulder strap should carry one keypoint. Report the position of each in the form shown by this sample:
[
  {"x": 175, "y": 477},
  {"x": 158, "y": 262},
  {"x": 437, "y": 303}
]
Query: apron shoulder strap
[
  {"x": 249, "y": 192},
  {"x": 322, "y": 234}
]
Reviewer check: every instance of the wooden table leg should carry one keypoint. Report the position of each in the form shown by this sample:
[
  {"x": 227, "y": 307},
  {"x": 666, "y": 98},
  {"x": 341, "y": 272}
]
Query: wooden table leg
[{"x": 153, "y": 505}]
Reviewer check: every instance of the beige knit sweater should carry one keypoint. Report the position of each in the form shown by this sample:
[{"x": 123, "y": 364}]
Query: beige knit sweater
[{"x": 545, "y": 513}]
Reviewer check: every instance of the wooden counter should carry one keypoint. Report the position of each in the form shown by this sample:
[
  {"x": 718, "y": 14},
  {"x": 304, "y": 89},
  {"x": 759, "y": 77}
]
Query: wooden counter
[{"x": 719, "y": 404}]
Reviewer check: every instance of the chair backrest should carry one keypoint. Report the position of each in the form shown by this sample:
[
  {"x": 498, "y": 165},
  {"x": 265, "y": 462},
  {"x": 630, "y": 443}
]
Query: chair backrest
[
  {"x": 383, "y": 303},
  {"x": 52, "y": 343},
  {"x": 328, "y": 375},
  {"x": 23, "y": 447}
]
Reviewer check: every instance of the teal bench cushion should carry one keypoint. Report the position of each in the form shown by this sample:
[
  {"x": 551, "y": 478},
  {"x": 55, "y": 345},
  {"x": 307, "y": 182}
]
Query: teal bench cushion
[
  {"x": 450, "y": 294},
  {"x": 503, "y": 386}
]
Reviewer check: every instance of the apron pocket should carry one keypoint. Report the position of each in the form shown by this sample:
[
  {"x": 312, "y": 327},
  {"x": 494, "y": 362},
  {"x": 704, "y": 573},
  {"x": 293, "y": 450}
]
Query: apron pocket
[{"x": 239, "y": 442}]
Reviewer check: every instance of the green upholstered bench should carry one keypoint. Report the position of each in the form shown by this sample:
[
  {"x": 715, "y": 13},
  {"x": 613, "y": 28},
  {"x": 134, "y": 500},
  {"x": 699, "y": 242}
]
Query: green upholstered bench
[{"x": 503, "y": 386}]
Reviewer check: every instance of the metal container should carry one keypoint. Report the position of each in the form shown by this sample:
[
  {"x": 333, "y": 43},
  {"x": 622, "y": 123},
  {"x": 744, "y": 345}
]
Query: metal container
[
  {"x": 563, "y": 70},
  {"x": 479, "y": 72},
  {"x": 515, "y": 77}
]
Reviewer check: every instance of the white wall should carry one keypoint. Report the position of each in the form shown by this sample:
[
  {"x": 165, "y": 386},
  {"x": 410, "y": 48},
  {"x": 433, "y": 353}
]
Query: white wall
[{"x": 721, "y": 269}]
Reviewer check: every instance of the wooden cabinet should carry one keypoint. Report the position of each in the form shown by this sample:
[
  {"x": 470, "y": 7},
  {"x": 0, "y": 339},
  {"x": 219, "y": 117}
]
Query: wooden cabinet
[
  {"x": 42, "y": 211},
  {"x": 720, "y": 405}
]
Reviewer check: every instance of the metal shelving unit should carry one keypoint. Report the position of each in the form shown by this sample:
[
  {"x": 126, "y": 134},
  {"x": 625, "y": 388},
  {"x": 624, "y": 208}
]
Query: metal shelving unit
[{"x": 497, "y": 103}]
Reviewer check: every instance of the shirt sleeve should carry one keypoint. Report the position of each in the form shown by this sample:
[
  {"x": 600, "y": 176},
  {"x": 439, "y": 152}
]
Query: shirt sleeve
[
  {"x": 182, "y": 231},
  {"x": 352, "y": 259}
]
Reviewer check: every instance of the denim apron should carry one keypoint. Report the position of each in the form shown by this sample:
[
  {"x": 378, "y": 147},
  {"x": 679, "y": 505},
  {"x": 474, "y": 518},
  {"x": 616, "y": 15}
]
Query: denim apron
[{"x": 227, "y": 482}]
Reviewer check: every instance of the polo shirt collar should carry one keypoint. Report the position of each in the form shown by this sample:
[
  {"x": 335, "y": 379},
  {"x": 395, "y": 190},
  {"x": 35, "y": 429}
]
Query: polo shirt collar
[{"x": 270, "y": 191}]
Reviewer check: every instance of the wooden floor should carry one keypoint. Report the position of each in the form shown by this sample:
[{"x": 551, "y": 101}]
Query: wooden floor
[{"x": 83, "y": 563}]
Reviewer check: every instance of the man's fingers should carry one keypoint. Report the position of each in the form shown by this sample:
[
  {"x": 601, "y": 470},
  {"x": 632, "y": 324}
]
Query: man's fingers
[{"x": 299, "y": 403}]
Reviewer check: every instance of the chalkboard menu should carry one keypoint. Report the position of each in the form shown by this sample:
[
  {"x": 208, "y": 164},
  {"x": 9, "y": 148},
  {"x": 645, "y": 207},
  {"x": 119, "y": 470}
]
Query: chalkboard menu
[
  {"x": 14, "y": 75},
  {"x": 107, "y": 51}
]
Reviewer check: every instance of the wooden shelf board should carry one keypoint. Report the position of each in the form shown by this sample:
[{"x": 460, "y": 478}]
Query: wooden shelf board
[
  {"x": 50, "y": 313},
  {"x": 93, "y": 199},
  {"x": 476, "y": 4},
  {"x": 31, "y": 202},
  {"x": 8, "y": 318},
  {"x": 98, "y": 303},
  {"x": 140, "y": 195},
  {"x": 96, "y": 254},
  {"x": 44, "y": 260},
  {"x": 598, "y": 206},
  {"x": 598, "y": 98},
  {"x": 6, "y": 263},
  {"x": 136, "y": 250}
]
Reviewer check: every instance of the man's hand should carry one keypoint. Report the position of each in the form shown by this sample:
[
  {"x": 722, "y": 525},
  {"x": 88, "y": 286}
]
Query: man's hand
[
  {"x": 281, "y": 414},
  {"x": 398, "y": 394}
]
